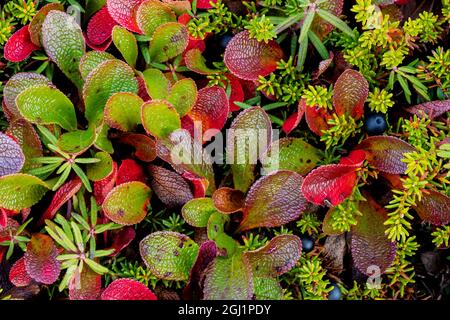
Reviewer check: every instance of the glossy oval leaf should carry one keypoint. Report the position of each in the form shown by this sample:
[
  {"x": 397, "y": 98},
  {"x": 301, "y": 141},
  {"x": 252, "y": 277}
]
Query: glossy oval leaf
[
  {"x": 19, "y": 46},
  {"x": 292, "y": 154},
  {"x": 273, "y": 200},
  {"x": 183, "y": 95},
  {"x": 197, "y": 63},
  {"x": 249, "y": 136},
  {"x": 92, "y": 60},
  {"x": 151, "y": 14},
  {"x": 63, "y": 42},
  {"x": 278, "y": 256},
  {"x": 228, "y": 200},
  {"x": 124, "y": 12},
  {"x": 434, "y": 208},
  {"x": 197, "y": 211},
  {"x": 169, "y": 255},
  {"x": 19, "y": 191},
  {"x": 46, "y": 105},
  {"x": 100, "y": 27},
  {"x": 168, "y": 41},
  {"x": 370, "y": 246},
  {"x": 127, "y": 203},
  {"x": 386, "y": 153},
  {"x": 157, "y": 84},
  {"x": 123, "y": 111},
  {"x": 247, "y": 58},
  {"x": 35, "y": 26},
  {"x": 145, "y": 147},
  {"x": 108, "y": 78},
  {"x": 78, "y": 141},
  {"x": 100, "y": 170},
  {"x": 126, "y": 43},
  {"x": 15, "y": 85},
  {"x": 160, "y": 118},
  {"x": 350, "y": 92}
]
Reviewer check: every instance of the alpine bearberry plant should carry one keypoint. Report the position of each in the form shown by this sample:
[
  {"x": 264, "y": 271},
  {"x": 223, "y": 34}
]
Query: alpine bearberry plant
[{"x": 156, "y": 149}]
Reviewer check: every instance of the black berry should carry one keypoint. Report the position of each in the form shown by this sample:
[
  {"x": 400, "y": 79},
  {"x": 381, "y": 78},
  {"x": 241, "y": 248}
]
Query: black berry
[
  {"x": 375, "y": 124},
  {"x": 307, "y": 244},
  {"x": 335, "y": 294}
]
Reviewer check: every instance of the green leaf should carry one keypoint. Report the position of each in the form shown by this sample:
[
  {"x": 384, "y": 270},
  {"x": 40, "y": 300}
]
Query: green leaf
[
  {"x": 216, "y": 232},
  {"x": 127, "y": 203},
  {"x": 45, "y": 105},
  {"x": 183, "y": 95},
  {"x": 169, "y": 255},
  {"x": 229, "y": 279},
  {"x": 98, "y": 268},
  {"x": 157, "y": 84},
  {"x": 92, "y": 60},
  {"x": 123, "y": 111},
  {"x": 196, "y": 212},
  {"x": 267, "y": 289},
  {"x": 109, "y": 77},
  {"x": 20, "y": 191},
  {"x": 63, "y": 42},
  {"x": 126, "y": 43},
  {"x": 151, "y": 14},
  {"x": 197, "y": 63},
  {"x": 251, "y": 134},
  {"x": 335, "y": 21},
  {"x": 102, "y": 142},
  {"x": 77, "y": 142},
  {"x": 292, "y": 154},
  {"x": 101, "y": 169},
  {"x": 169, "y": 40},
  {"x": 160, "y": 118},
  {"x": 307, "y": 21}
]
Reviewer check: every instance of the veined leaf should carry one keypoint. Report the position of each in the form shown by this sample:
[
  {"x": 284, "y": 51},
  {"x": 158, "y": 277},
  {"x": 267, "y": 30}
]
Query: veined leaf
[
  {"x": 169, "y": 40},
  {"x": 19, "y": 191}
]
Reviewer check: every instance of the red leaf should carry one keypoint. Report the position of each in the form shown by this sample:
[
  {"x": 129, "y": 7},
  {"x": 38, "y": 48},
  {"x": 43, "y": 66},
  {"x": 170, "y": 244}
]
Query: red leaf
[
  {"x": 144, "y": 145},
  {"x": 211, "y": 109},
  {"x": 370, "y": 246},
  {"x": 130, "y": 170},
  {"x": 121, "y": 239},
  {"x": 169, "y": 186},
  {"x": 332, "y": 183},
  {"x": 127, "y": 289},
  {"x": 19, "y": 46},
  {"x": 200, "y": 185},
  {"x": 434, "y": 208},
  {"x": 248, "y": 58},
  {"x": 350, "y": 93},
  {"x": 249, "y": 88},
  {"x": 3, "y": 218},
  {"x": 40, "y": 259},
  {"x": 294, "y": 119},
  {"x": 64, "y": 193},
  {"x": 99, "y": 29},
  {"x": 101, "y": 47},
  {"x": 85, "y": 286},
  {"x": 323, "y": 66},
  {"x": 273, "y": 200},
  {"x": 104, "y": 186},
  {"x": 386, "y": 153},
  {"x": 124, "y": 13},
  {"x": 356, "y": 157},
  {"x": 433, "y": 109},
  {"x": 236, "y": 94},
  {"x": 18, "y": 274},
  {"x": 184, "y": 18},
  {"x": 317, "y": 119},
  {"x": 204, "y": 4},
  {"x": 142, "y": 89},
  {"x": 9, "y": 229}
]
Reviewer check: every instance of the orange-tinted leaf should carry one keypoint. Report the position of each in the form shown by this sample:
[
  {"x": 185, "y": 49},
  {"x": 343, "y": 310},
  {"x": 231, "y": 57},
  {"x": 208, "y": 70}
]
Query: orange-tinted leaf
[
  {"x": 145, "y": 146},
  {"x": 100, "y": 27},
  {"x": 273, "y": 200},
  {"x": 317, "y": 119},
  {"x": 199, "y": 184},
  {"x": 370, "y": 246},
  {"x": 124, "y": 13},
  {"x": 127, "y": 289},
  {"x": 247, "y": 58},
  {"x": 434, "y": 208},
  {"x": 350, "y": 93},
  {"x": 169, "y": 186},
  {"x": 36, "y": 24},
  {"x": 40, "y": 259},
  {"x": 64, "y": 193},
  {"x": 19, "y": 46},
  {"x": 18, "y": 275},
  {"x": 386, "y": 153},
  {"x": 228, "y": 200},
  {"x": 236, "y": 93},
  {"x": 211, "y": 109}
]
